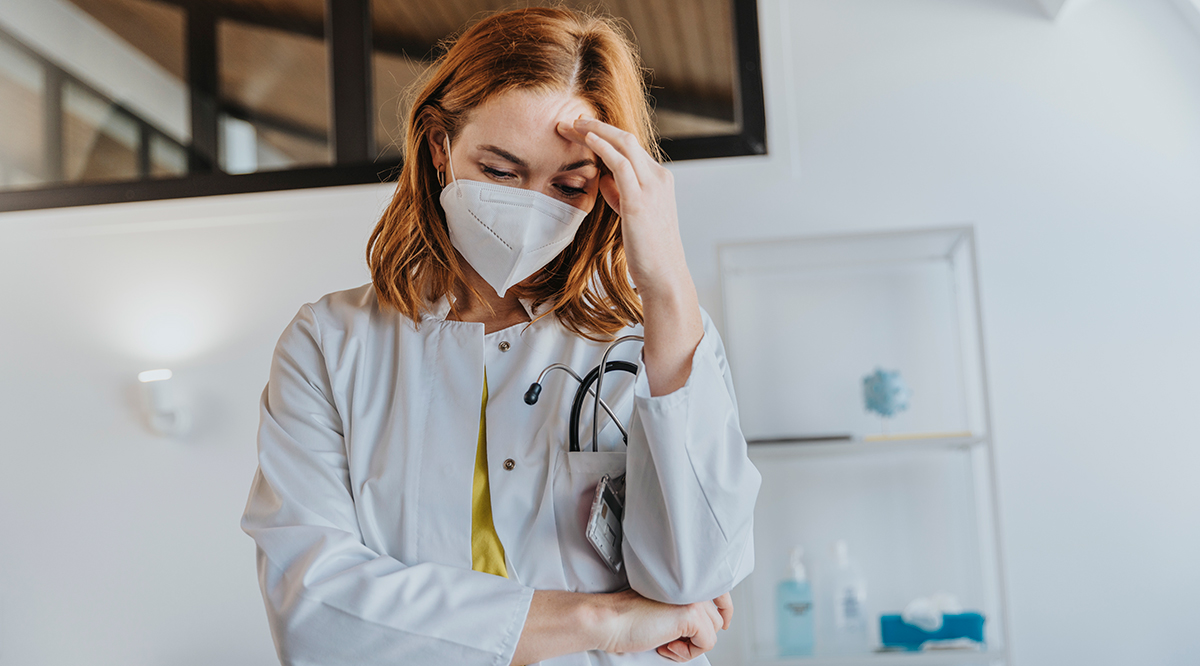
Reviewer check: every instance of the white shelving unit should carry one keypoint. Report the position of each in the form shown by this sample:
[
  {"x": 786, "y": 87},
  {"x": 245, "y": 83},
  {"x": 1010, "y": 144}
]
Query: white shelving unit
[
  {"x": 804, "y": 320},
  {"x": 948, "y": 658}
]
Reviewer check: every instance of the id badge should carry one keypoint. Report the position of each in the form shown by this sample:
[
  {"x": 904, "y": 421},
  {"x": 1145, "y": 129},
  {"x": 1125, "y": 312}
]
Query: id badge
[{"x": 604, "y": 524}]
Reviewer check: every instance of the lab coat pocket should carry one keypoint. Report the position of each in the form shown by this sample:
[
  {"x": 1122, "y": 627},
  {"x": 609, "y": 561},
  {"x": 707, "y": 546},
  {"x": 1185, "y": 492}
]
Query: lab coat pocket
[{"x": 576, "y": 474}]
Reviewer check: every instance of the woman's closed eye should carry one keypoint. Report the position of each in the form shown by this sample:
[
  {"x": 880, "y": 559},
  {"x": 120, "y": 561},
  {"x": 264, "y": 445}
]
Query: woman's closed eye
[
  {"x": 498, "y": 174},
  {"x": 569, "y": 191}
]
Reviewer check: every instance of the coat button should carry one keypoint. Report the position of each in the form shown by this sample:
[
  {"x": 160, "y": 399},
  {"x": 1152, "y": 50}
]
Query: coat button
[
  {"x": 504, "y": 346},
  {"x": 510, "y": 464}
]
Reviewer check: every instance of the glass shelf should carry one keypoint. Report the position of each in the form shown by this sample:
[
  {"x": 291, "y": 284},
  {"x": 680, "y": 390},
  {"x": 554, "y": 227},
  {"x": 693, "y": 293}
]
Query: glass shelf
[
  {"x": 783, "y": 448},
  {"x": 806, "y": 319},
  {"x": 927, "y": 658}
]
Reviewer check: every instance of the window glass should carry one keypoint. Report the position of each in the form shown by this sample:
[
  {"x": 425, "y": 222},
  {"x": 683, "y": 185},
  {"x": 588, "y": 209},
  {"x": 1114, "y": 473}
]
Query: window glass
[
  {"x": 687, "y": 46},
  {"x": 153, "y": 29},
  {"x": 22, "y": 134},
  {"x": 274, "y": 90},
  {"x": 97, "y": 97},
  {"x": 167, "y": 158},
  {"x": 100, "y": 140},
  {"x": 393, "y": 77}
]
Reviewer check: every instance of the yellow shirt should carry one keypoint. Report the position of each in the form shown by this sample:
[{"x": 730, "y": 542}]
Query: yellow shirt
[{"x": 487, "y": 553}]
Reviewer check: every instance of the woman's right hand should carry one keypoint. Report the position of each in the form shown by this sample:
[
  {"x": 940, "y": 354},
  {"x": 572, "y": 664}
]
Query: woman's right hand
[
  {"x": 561, "y": 622},
  {"x": 634, "y": 623}
]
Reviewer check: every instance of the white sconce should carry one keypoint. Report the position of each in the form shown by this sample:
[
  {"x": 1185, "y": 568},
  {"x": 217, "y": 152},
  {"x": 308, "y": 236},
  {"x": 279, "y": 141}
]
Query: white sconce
[{"x": 166, "y": 418}]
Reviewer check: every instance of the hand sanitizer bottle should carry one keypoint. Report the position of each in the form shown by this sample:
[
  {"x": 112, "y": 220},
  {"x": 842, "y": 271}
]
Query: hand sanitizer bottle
[
  {"x": 849, "y": 635},
  {"x": 794, "y": 609}
]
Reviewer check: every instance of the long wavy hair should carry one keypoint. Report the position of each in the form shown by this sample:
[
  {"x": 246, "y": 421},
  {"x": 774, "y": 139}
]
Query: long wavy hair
[{"x": 411, "y": 258}]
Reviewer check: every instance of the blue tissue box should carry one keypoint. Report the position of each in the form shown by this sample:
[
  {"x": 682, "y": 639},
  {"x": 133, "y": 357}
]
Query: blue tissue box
[{"x": 895, "y": 632}]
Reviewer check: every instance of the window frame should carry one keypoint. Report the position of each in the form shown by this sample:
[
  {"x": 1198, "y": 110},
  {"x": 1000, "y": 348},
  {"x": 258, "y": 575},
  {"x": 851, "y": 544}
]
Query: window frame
[{"x": 348, "y": 33}]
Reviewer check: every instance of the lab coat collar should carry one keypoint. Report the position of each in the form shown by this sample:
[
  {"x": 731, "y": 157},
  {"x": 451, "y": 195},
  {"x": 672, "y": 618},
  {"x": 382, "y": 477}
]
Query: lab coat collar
[
  {"x": 527, "y": 303},
  {"x": 439, "y": 309}
]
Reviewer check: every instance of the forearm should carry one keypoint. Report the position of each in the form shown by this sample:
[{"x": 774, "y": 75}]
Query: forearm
[
  {"x": 559, "y": 623},
  {"x": 673, "y": 328}
]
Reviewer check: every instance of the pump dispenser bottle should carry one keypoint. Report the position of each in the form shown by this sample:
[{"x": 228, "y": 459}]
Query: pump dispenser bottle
[
  {"x": 849, "y": 631},
  {"x": 794, "y": 609}
]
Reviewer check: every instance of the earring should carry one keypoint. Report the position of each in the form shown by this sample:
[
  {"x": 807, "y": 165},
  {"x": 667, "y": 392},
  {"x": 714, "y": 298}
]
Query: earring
[{"x": 441, "y": 178}]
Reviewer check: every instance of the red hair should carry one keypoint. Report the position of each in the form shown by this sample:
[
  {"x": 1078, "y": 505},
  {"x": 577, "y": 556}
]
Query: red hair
[{"x": 410, "y": 255}]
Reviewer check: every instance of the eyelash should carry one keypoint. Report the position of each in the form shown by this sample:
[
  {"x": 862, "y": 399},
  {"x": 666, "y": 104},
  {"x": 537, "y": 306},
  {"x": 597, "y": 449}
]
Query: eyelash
[
  {"x": 496, "y": 173},
  {"x": 502, "y": 175}
]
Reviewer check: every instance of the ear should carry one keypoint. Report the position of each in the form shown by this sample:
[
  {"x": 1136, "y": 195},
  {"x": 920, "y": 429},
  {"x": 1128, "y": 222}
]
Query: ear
[{"x": 437, "y": 148}]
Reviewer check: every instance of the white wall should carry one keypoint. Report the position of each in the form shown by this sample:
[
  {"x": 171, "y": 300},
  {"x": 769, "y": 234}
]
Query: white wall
[
  {"x": 120, "y": 547},
  {"x": 1073, "y": 146}
]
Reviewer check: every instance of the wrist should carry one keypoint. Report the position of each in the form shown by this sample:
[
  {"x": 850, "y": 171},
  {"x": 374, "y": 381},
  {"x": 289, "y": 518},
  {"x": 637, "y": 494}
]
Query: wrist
[{"x": 599, "y": 613}]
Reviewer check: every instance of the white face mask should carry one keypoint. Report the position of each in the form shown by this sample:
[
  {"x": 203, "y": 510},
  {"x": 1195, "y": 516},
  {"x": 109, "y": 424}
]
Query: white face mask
[{"x": 506, "y": 233}]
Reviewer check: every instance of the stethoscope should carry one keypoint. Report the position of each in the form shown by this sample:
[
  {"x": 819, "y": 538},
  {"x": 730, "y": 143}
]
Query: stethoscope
[{"x": 596, "y": 376}]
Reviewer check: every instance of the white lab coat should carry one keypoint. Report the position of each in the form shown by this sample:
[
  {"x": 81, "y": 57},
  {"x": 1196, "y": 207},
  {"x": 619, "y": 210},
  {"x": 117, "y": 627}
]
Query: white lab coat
[{"x": 361, "y": 506}]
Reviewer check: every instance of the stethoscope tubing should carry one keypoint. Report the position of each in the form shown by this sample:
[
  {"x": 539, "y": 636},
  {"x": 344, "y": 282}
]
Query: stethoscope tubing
[
  {"x": 577, "y": 403},
  {"x": 600, "y": 384},
  {"x": 566, "y": 368},
  {"x": 585, "y": 388}
]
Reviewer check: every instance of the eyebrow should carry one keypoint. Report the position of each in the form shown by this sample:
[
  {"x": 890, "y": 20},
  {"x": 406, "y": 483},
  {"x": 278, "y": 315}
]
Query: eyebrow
[
  {"x": 496, "y": 150},
  {"x": 581, "y": 163}
]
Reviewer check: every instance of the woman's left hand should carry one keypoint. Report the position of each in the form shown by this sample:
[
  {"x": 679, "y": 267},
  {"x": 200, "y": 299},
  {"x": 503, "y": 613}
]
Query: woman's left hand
[{"x": 642, "y": 192}]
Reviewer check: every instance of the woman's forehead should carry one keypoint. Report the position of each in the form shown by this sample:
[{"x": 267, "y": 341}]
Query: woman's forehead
[{"x": 525, "y": 122}]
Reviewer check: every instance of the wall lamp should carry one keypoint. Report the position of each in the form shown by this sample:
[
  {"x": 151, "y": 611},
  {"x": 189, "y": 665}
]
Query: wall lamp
[{"x": 165, "y": 416}]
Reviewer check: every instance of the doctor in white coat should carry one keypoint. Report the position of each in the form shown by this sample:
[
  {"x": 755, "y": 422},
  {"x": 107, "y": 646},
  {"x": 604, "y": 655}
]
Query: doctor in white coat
[{"x": 409, "y": 507}]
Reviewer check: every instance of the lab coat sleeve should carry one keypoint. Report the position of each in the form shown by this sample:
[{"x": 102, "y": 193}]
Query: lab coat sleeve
[
  {"x": 330, "y": 599},
  {"x": 690, "y": 486}
]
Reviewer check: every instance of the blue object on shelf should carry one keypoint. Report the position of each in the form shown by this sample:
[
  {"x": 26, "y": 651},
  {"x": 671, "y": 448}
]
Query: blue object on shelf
[
  {"x": 885, "y": 392},
  {"x": 895, "y": 632}
]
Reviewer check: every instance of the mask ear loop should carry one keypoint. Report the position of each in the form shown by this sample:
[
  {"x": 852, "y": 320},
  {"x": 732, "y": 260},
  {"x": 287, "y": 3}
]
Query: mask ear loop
[{"x": 450, "y": 165}]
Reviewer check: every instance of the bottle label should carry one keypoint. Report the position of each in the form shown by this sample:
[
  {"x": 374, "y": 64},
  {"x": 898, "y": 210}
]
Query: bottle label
[
  {"x": 849, "y": 609},
  {"x": 852, "y": 607},
  {"x": 799, "y": 608}
]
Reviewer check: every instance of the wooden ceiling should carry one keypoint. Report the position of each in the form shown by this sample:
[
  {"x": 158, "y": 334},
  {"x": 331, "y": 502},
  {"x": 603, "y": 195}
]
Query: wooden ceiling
[
  {"x": 687, "y": 44},
  {"x": 272, "y": 59},
  {"x": 154, "y": 28}
]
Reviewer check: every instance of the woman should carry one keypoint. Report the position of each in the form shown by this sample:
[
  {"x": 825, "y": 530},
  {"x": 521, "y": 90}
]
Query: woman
[{"x": 392, "y": 526}]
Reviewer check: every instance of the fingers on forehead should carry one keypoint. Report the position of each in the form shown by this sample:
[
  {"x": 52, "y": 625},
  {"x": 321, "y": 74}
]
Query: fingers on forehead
[
  {"x": 604, "y": 129},
  {"x": 569, "y": 131},
  {"x": 618, "y": 163}
]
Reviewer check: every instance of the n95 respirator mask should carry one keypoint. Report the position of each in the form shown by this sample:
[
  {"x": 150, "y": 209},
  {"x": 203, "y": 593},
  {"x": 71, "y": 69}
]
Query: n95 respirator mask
[{"x": 506, "y": 233}]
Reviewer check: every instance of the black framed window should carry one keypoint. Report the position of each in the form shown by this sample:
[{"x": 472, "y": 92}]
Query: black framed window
[
  {"x": 257, "y": 95},
  {"x": 63, "y": 126}
]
